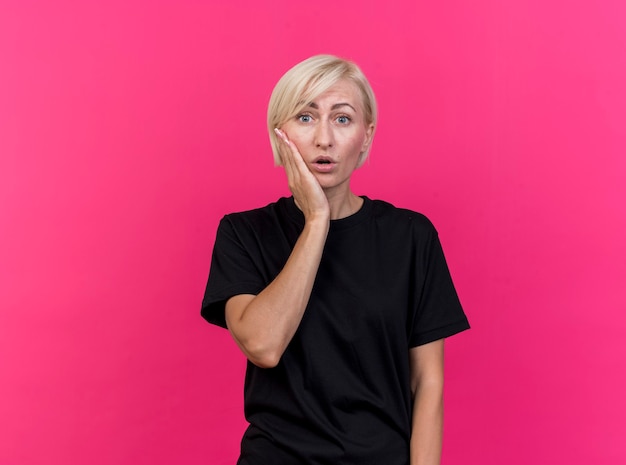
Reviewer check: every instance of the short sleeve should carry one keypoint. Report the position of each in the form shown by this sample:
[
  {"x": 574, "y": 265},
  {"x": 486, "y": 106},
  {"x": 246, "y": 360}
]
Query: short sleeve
[
  {"x": 439, "y": 313},
  {"x": 232, "y": 272}
]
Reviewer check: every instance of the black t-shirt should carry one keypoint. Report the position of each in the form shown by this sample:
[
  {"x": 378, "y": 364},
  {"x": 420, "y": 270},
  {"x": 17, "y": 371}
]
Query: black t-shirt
[{"x": 341, "y": 392}]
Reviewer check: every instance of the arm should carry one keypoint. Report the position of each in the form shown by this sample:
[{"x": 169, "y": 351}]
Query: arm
[
  {"x": 263, "y": 325},
  {"x": 427, "y": 390}
]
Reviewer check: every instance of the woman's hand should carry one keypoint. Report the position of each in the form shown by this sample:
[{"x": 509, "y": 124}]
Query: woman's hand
[{"x": 306, "y": 190}]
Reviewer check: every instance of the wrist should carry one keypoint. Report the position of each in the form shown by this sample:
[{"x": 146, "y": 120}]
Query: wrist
[{"x": 319, "y": 221}]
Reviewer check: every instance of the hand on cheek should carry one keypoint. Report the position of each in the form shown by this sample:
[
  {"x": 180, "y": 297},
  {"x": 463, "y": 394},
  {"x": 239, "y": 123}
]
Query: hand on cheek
[{"x": 305, "y": 188}]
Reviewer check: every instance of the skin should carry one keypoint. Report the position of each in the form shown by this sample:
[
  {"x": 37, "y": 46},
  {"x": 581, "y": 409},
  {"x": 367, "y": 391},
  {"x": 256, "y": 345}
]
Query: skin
[
  {"x": 427, "y": 389},
  {"x": 332, "y": 128}
]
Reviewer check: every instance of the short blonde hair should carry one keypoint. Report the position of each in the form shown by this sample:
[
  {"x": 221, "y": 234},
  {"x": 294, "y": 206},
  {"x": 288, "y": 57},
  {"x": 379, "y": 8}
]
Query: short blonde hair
[{"x": 306, "y": 81}]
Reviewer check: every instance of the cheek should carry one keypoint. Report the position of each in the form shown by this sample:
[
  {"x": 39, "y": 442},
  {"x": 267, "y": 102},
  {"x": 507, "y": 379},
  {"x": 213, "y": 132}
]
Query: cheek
[
  {"x": 296, "y": 135},
  {"x": 300, "y": 143},
  {"x": 356, "y": 143}
]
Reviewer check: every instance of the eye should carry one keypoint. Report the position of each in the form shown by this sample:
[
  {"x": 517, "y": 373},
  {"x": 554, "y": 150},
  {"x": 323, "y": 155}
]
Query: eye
[
  {"x": 304, "y": 118},
  {"x": 343, "y": 119}
]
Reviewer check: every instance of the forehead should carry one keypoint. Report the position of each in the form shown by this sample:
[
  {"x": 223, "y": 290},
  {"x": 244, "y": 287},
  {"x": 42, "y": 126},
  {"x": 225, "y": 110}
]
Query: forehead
[{"x": 343, "y": 91}]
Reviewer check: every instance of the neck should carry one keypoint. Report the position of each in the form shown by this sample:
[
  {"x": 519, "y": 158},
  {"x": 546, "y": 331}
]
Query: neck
[{"x": 343, "y": 204}]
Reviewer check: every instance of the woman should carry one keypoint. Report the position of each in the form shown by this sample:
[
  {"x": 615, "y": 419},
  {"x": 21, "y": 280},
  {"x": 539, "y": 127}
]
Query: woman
[{"x": 340, "y": 303}]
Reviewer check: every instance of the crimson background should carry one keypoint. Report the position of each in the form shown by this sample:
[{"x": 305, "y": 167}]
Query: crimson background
[{"x": 128, "y": 128}]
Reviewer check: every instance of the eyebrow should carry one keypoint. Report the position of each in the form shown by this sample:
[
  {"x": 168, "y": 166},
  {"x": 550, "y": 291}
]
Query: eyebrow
[{"x": 334, "y": 107}]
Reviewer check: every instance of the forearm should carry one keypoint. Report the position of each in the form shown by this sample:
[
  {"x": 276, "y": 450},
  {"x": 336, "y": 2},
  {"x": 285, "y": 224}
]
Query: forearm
[
  {"x": 427, "y": 388},
  {"x": 266, "y": 324},
  {"x": 427, "y": 430}
]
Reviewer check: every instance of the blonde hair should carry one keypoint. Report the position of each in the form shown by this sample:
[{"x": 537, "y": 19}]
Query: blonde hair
[{"x": 305, "y": 82}]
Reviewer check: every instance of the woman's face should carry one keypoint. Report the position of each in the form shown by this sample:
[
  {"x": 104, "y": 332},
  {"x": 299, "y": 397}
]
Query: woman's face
[{"x": 331, "y": 134}]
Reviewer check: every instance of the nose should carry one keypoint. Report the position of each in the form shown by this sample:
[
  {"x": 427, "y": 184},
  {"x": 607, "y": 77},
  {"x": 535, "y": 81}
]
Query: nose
[{"x": 324, "y": 135}]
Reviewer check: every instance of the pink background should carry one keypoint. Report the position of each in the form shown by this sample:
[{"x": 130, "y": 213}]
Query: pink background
[{"x": 128, "y": 128}]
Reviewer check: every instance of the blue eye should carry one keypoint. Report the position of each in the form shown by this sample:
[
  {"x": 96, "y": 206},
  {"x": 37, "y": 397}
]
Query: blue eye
[
  {"x": 304, "y": 118},
  {"x": 343, "y": 120}
]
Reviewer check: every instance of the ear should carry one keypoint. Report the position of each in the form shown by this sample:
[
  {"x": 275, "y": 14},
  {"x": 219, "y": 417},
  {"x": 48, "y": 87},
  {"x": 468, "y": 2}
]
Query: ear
[{"x": 369, "y": 134}]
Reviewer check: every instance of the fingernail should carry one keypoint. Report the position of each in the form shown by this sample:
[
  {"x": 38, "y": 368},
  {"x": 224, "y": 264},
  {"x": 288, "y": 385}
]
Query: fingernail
[{"x": 282, "y": 135}]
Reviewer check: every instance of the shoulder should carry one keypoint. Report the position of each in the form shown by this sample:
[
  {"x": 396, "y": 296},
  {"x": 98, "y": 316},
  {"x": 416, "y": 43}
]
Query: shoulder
[
  {"x": 387, "y": 213},
  {"x": 256, "y": 217}
]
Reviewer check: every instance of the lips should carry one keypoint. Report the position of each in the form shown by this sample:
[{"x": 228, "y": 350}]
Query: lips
[
  {"x": 323, "y": 160},
  {"x": 323, "y": 164}
]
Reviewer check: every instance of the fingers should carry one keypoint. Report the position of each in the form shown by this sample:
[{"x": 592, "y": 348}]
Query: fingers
[
  {"x": 304, "y": 186},
  {"x": 287, "y": 156},
  {"x": 291, "y": 158}
]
